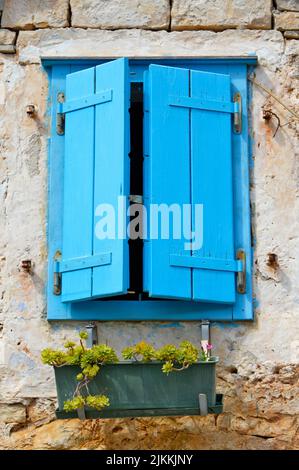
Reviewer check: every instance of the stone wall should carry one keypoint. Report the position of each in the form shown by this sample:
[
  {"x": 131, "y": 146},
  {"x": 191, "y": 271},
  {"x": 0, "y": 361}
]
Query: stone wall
[{"x": 258, "y": 372}]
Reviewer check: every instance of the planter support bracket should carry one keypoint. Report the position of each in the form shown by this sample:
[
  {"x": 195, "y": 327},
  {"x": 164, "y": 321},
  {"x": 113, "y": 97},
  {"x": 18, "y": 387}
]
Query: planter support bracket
[
  {"x": 205, "y": 331},
  {"x": 81, "y": 413},
  {"x": 92, "y": 332},
  {"x": 203, "y": 404}
]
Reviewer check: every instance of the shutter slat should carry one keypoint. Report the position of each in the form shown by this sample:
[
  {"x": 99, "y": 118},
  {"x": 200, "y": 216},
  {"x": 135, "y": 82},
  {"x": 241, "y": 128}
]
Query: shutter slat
[
  {"x": 85, "y": 262},
  {"x": 216, "y": 264},
  {"x": 91, "y": 100}
]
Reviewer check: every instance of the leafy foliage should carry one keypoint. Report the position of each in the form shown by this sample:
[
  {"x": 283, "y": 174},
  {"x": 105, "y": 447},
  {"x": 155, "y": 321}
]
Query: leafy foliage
[
  {"x": 141, "y": 351},
  {"x": 177, "y": 358},
  {"x": 83, "y": 334},
  {"x": 98, "y": 402},
  {"x": 74, "y": 404},
  {"x": 174, "y": 358},
  {"x": 53, "y": 358},
  {"x": 89, "y": 361}
]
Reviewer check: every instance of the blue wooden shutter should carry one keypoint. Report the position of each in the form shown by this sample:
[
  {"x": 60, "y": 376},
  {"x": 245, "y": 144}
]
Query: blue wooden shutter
[
  {"x": 96, "y": 171},
  {"x": 190, "y": 161}
]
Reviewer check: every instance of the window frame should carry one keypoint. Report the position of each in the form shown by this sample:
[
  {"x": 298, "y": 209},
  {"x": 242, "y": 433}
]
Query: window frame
[{"x": 150, "y": 310}]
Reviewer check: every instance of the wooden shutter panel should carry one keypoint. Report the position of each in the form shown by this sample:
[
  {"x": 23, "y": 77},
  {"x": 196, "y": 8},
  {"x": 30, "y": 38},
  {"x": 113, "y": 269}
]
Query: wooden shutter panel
[
  {"x": 211, "y": 160},
  {"x": 96, "y": 170},
  {"x": 190, "y": 156},
  {"x": 167, "y": 175}
]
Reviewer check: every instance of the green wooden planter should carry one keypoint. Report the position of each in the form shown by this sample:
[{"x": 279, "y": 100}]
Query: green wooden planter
[{"x": 142, "y": 389}]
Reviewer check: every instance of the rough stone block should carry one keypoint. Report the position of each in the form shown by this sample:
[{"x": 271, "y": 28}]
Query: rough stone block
[
  {"x": 41, "y": 410},
  {"x": 25, "y": 14},
  {"x": 7, "y": 37},
  {"x": 291, "y": 34},
  {"x": 12, "y": 413},
  {"x": 286, "y": 21},
  {"x": 290, "y": 5},
  {"x": 219, "y": 15},
  {"x": 147, "y": 14},
  {"x": 7, "y": 49}
]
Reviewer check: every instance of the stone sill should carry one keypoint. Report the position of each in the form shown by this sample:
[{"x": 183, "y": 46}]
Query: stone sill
[{"x": 7, "y": 49}]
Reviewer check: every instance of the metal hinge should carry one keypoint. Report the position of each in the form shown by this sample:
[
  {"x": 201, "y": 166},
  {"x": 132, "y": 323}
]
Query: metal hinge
[
  {"x": 237, "y": 113},
  {"x": 241, "y": 275},
  {"x": 57, "y": 274},
  {"x": 75, "y": 264},
  {"x": 60, "y": 116},
  {"x": 135, "y": 198},
  {"x": 237, "y": 265}
]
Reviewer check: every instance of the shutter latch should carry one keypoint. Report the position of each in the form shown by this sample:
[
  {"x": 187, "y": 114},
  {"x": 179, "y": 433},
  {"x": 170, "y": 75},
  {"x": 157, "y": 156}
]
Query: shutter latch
[
  {"x": 237, "y": 113},
  {"x": 60, "y": 116}
]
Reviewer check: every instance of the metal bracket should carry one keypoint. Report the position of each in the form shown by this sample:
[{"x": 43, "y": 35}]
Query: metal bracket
[
  {"x": 241, "y": 275},
  {"x": 92, "y": 332},
  {"x": 81, "y": 413},
  {"x": 237, "y": 113},
  {"x": 203, "y": 404},
  {"x": 205, "y": 331},
  {"x": 60, "y": 116}
]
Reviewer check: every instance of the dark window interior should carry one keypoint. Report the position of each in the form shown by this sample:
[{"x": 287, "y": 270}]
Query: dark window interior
[
  {"x": 136, "y": 183},
  {"x": 135, "y": 291}
]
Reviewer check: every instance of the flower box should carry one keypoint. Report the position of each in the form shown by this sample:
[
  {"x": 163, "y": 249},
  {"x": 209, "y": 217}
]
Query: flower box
[{"x": 142, "y": 389}]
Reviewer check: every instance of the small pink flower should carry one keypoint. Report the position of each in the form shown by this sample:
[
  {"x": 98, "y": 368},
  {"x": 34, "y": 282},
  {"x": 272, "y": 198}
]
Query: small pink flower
[{"x": 209, "y": 347}]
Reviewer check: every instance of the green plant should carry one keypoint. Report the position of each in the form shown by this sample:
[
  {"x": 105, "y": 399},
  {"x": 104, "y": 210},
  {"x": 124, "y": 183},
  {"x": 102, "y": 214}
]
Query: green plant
[
  {"x": 89, "y": 361},
  {"x": 140, "y": 351},
  {"x": 174, "y": 358}
]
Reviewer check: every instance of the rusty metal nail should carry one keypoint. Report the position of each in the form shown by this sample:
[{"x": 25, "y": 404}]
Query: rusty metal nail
[
  {"x": 31, "y": 110},
  {"x": 267, "y": 114},
  {"x": 272, "y": 261},
  {"x": 26, "y": 265}
]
